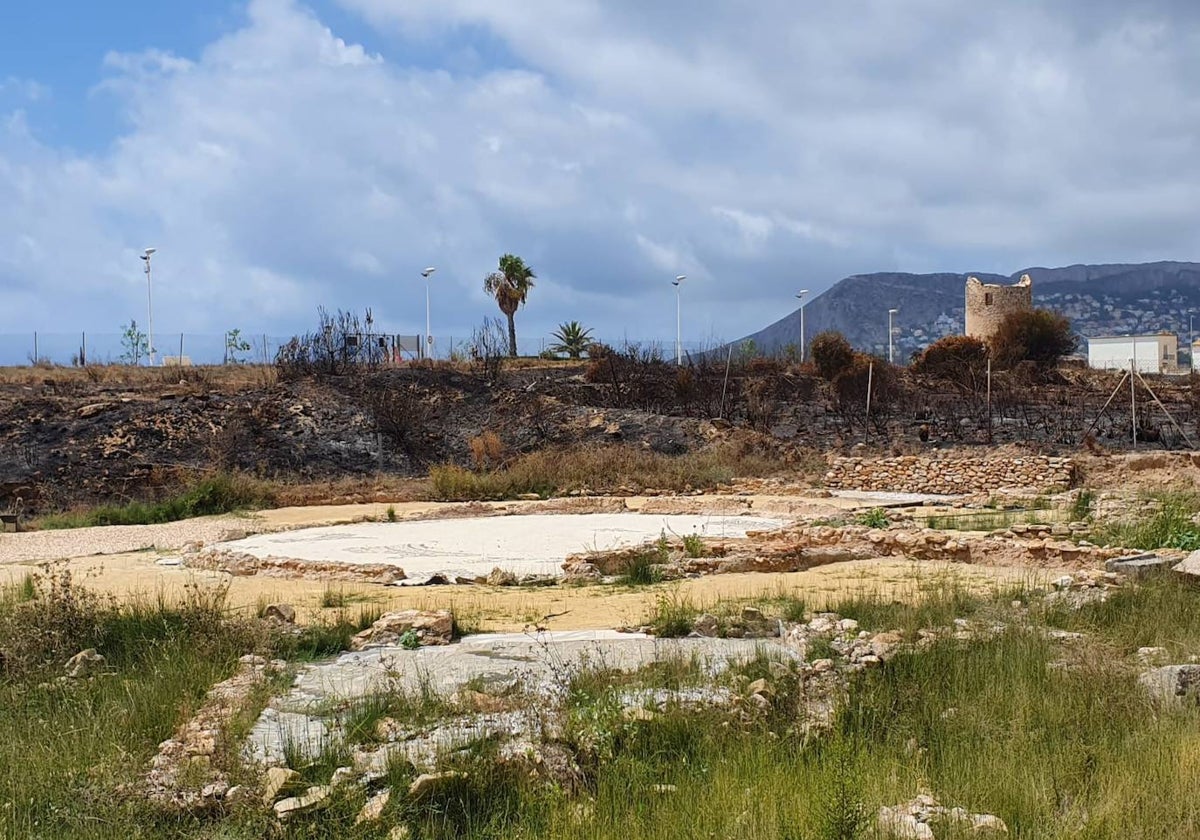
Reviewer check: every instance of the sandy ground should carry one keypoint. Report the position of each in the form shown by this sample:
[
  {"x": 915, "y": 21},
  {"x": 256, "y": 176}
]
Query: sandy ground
[
  {"x": 511, "y": 609},
  {"x": 123, "y": 561}
]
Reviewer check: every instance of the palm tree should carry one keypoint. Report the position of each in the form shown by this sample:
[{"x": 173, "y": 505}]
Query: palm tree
[
  {"x": 572, "y": 339},
  {"x": 510, "y": 286}
]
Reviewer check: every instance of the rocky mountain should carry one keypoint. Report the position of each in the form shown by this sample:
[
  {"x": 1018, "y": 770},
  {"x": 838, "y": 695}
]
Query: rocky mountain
[{"x": 1099, "y": 299}]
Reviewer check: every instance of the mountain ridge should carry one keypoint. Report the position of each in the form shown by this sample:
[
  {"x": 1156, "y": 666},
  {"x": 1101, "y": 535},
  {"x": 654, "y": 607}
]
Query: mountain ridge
[{"x": 1100, "y": 299}]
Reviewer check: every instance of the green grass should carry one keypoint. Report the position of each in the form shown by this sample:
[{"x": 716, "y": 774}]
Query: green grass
[
  {"x": 223, "y": 493},
  {"x": 1058, "y": 740},
  {"x": 1166, "y": 524}
]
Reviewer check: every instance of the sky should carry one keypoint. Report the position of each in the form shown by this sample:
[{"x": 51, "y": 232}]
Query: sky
[{"x": 283, "y": 155}]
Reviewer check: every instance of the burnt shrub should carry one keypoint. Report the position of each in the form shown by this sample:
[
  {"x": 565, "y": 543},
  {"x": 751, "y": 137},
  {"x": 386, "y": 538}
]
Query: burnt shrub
[
  {"x": 957, "y": 359},
  {"x": 832, "y": 354},
  {"x": 1037, "y": 335}
]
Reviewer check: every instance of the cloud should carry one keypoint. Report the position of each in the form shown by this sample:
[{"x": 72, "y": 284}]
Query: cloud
[{"x": 756, "y": 148}]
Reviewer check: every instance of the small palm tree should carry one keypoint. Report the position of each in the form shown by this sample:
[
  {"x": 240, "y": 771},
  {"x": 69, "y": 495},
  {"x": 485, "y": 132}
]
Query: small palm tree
[
  {"x": 572, "y": 339},
  {"x": 510, "y": 287}
]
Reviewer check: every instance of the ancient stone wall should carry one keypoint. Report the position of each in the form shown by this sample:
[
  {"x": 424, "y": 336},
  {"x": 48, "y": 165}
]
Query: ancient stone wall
[
  {"x": 988, "y": 304},
  {"x": 949, "y": 476}
]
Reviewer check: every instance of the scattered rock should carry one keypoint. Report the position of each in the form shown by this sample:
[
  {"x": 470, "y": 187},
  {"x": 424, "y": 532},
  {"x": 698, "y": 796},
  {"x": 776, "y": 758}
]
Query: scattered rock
[
  {"x": 706, "y": 625},
  {"x": 501, "y": 577},
  {"x": 85, "y": 664},
  {"x": 581, "y": 572},
  {"x": 428, "y": 783},
  {"x": 897, "y": 824},
  {"x": 280, "y": 613},
  {"x": 1172, "y": 683},
  {"x": 311, "y": 800},
  {"x": 275, "y": 780},
  {"x": 373, "y": 809},
  {"x": 431, "y": 628}
]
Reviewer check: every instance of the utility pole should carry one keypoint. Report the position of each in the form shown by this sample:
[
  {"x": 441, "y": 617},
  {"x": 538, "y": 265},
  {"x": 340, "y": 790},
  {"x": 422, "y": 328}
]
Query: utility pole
[
  {"x": 428, "y": 335},
  {"x": 149, "y": 309},
  {"x": 892, "y": 336},
  {"x": 677, "y": 282},
  {"x": 801, "y": 295}
]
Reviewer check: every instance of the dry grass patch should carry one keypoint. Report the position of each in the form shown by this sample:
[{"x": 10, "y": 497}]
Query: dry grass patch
[{"x": 601, "y": 469}]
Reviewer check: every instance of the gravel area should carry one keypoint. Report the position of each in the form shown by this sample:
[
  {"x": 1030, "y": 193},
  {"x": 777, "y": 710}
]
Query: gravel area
[{"x": 37, "y": 546}]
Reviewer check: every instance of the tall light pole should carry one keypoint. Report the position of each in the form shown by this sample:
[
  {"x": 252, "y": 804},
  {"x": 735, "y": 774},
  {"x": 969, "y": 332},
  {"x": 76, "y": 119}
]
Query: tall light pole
[
  {"x": 149, "y": 308},
  {"x": 1192, "y": 342},
  {"x": 678, "y": 318},
  {"x": 801, "y": 294},
  {"x": 428, "y": 335},
  {"x": 892, "y": 336}
]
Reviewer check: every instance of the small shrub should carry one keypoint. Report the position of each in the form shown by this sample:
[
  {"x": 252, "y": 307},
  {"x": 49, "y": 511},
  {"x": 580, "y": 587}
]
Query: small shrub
[
  {"x": 487, "y": 450},
  {"x": 1081, "y": 508},
  {"x": 672, "y": 616},
  {"x": 331, "y": 598},
  {"x": 693, "y": 545},
  {"x": 874, "y": 518},
  {"x": 391, "y": 513},
  {"x": 409, "y": 640}
]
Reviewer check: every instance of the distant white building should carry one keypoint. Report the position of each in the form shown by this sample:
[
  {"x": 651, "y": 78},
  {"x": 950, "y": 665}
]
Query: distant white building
[{"x": 1157, "y": 353}]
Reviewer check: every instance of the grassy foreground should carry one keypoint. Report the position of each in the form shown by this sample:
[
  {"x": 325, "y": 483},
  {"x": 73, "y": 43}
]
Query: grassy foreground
[{"x": 1054, "y": 737}]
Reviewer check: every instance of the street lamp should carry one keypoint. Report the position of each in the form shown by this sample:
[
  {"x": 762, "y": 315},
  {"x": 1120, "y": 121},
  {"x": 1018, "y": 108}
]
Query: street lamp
[
  {"x": 801, "y": 294},
  {"x": 891, "y": 336},
  {"x": 678, "y": 318},
  {"x": 428, "y": 336},
  {"x": 149, "y": 309}
]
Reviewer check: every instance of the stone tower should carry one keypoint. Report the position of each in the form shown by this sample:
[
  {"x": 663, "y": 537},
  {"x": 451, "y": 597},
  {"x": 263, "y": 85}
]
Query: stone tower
[{"x": 989, "y": 303}]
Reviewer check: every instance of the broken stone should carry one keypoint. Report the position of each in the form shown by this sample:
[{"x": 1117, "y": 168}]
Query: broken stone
[
  {"x": 431, "y": 628},
  {"x": 705, "y": 625},
  {"x": 373, "y": 809},
  {"x": 275, "y": 780},
  {"x": 282, "y": 613},
  {"x": 86, "y": 663},
  {"x": 310, "y": 800},
  {"x": 1172, "y": 683},
  {"x": 501, "y": 577},
  {"x": 894, "y": 823},
  {"x": 428, "y": 783}
]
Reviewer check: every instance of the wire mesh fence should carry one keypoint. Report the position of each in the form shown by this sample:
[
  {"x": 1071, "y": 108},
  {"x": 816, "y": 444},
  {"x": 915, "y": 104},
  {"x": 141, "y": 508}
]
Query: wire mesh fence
[{"x": 67, "y": 349}]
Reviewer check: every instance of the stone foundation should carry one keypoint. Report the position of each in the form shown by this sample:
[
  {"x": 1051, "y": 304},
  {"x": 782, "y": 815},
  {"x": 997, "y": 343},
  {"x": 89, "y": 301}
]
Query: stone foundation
[{"x": 949, "y": 476}]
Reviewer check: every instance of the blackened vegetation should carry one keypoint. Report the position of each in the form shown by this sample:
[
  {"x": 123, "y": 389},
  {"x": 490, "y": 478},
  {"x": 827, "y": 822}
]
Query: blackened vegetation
[{"x": 342, "y": 344}]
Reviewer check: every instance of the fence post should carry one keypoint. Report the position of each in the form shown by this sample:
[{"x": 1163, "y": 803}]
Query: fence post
[
  {"x": 35, "y": 348},
  {"x": 870, "y": 381},
  {"x": 83, "y": 349},
  {"x": 181, "y": 349}
]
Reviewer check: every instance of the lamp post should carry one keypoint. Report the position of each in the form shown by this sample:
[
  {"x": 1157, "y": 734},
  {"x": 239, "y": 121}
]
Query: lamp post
[
  {"x": 428, "y": 336},
  {"x": 149, "y": 308},
  {"x": 801, "y": 294},
  {"x": 891, "y": 336},
  {"x": 1192, "y": 342},
  {"x": 678, "y": 318}
]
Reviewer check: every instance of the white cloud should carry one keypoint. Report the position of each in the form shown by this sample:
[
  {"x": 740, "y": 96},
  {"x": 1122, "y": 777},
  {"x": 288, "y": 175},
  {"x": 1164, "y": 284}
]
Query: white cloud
[{"x": 613, "y": 144}]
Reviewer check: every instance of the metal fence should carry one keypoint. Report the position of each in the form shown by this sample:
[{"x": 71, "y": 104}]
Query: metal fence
[{"x": 59, "y": 348}]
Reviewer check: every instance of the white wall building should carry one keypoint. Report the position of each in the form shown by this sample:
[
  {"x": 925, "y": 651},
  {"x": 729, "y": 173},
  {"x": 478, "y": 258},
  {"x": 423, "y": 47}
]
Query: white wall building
[{"x": 1150, "y": 353}]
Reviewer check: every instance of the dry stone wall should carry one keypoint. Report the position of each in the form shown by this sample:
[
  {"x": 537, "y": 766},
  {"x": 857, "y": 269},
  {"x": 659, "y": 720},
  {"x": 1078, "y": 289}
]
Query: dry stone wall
[{"x": 949, "y": 476}]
